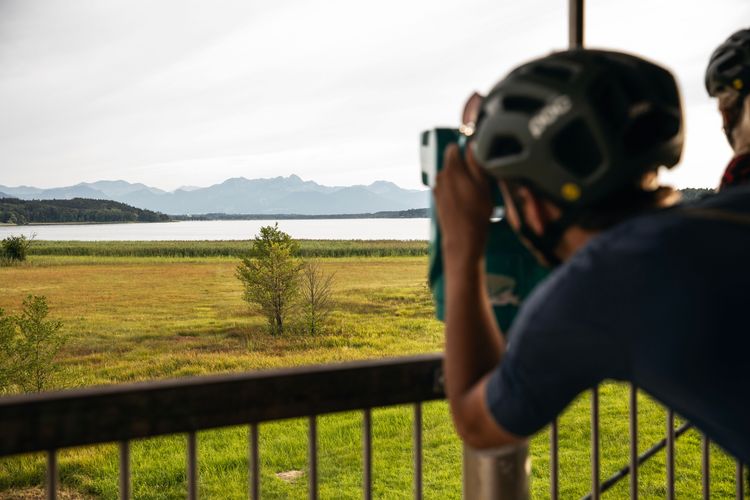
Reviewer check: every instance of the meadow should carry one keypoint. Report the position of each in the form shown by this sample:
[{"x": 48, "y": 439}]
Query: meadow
[{"x": 134, "y": 315}]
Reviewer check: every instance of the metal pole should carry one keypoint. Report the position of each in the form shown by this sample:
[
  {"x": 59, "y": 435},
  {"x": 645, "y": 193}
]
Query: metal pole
[
  {"x": 670, "y": 455},
  {"x": 125, "y": 470},
  {"x": 553, "y": 461},
  {"x": 595, "y": 443},
  {"x": 706, "y": 467},
  {"x": 367, "y": 452},
  {"x": 312, "y": 452},
  {"x": 575, "y": 24},
  {"x": 497, "y": 474},
  {"x": 633, "y": 442},
  {"x": 418, "y": 451},
  {"x": 52, "y": 475},
  {"x": 254, "y": 463},
  {"x": 192, "y": 466}
]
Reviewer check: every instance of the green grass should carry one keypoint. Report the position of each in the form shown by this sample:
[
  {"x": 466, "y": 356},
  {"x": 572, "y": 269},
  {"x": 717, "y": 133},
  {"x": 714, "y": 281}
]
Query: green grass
[
  {"x": 308, "y": 248},
  {"x": 140, "y": 318}
]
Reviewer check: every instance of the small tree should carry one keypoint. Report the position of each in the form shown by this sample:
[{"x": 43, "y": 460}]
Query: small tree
[
  {"x": 271, "y": 275},
  {"x": 15, "y": 248},
  {"x": 316, "y": 290},
  {"x": 29, "y": 343},
  {"x": 37, "y": 344},
  {"x": 8, "y": 361}
]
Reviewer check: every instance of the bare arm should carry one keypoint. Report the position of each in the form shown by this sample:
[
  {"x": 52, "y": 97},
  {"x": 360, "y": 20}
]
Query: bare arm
[{"x": 474, "y": 345}]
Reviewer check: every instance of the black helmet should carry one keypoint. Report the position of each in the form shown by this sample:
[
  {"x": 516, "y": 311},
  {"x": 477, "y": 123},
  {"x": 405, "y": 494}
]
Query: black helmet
[
  {"x": 729, "y": 66},
  {"x": 580, "y": 124}
]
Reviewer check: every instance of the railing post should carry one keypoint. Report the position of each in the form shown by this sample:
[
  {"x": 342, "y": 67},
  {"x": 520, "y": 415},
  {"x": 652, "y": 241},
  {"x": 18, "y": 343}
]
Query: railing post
[{"x": 497, "y": 474}]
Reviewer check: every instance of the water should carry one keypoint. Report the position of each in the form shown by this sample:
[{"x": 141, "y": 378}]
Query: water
[{"x": 310, "y": 229}]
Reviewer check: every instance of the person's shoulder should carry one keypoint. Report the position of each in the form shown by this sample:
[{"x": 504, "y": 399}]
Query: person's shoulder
[{"x": 730, "y": 198}]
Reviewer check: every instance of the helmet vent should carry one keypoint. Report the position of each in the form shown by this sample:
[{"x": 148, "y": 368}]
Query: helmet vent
[
  {"x": 523, "y": 104},
  {"x": 648, "y": 131},
  {"x": 558, "y": 73},
  {"x": 503, "y": 146},
  {"x": 729, "y": 63},
  {"x": 575, "y": 149}
]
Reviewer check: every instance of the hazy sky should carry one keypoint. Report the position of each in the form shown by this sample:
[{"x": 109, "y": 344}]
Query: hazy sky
[{"x": 180, "y": 92}]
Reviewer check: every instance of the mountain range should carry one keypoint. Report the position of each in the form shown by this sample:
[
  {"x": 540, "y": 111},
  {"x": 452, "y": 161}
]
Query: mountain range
[{"x": 277, "y": 195}]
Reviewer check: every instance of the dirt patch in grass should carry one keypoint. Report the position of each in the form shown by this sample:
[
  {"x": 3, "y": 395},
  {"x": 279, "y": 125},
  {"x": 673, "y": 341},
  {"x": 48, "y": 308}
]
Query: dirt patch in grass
[{"x": 37, "y": 493}]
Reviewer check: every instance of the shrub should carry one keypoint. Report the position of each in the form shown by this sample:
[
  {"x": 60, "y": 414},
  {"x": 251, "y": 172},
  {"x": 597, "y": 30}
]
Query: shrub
[
  {"x": 15, "y": 248},
  {"x": 316, "y": 288}
]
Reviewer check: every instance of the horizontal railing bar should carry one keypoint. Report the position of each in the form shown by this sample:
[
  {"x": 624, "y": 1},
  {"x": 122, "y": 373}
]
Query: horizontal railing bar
[
  {"x": 124, "y": 412},
  {"x": 617, "y": 476}
]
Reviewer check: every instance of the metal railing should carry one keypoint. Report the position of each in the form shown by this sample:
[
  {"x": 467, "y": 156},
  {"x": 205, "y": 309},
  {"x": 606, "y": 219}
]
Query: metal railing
[
  {"x": 48, "y": 422},
  {"x": 598, "y": 487}
]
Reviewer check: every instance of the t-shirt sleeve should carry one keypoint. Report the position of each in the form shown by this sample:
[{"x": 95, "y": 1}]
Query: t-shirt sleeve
[{"x": 561, "y": 344}]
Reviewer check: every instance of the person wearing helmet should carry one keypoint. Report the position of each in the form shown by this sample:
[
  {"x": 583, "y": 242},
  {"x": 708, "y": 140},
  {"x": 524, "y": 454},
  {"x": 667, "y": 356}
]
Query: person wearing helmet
[
  {"x": 728, "y": 80},
  {"x": 640, "y": 291}
]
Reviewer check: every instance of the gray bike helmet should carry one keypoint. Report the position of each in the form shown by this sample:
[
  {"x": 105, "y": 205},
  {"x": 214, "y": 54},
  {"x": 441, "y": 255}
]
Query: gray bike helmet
[
  {"x": 580, "y": 124},
  {"x": 729, "y": 66}
]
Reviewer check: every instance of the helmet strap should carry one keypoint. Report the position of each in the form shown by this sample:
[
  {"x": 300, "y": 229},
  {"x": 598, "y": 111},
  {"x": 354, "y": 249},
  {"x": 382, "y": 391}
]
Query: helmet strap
[{"x": 547, "y": 242}]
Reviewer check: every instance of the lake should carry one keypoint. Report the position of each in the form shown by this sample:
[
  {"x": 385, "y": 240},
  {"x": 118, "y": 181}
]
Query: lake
[{"x": 307, "y": 229}]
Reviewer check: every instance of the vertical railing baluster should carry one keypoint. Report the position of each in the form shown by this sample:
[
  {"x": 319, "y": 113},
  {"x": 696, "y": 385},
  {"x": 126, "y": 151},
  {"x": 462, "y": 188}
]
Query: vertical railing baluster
[
  {"x": 418, "y": 451},
  {"x": 553, "y": 463},
  {"x": 125, "y": 470},
  {"x": 633, "y": 442},
  {"x": 367, "y": 453},
  {"x": 52, "y": 474},
  {"x": 670, "y": 455},
  {"x": 706, "y": 467},
  {"x": 192, "y": 466},
  {"x": 254, "y": 480},
  {"x": 595, "y": 443},
  {"x": 313, "y": 458},
  {"x": 740, "y": 487}
]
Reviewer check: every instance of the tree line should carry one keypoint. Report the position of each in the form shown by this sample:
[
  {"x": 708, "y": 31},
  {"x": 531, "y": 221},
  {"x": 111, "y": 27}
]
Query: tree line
[{"x": 16, "y": 211}]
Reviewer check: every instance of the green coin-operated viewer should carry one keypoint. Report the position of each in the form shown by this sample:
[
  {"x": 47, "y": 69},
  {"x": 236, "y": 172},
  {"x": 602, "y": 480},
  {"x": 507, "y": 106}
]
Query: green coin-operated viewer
[{"x": 511, "y": 270}]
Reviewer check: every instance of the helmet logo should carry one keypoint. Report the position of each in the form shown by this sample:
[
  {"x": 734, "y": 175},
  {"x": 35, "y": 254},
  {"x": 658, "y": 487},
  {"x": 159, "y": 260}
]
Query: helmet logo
[
  {"x": 549, "y": 115},
  {"x": 737, "y": 83}
]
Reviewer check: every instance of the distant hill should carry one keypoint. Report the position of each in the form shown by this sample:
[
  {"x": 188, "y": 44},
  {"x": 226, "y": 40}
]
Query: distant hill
[
  {"x": 414, "y": 213},
  {"x": 277, "y": 195},
  {"x": 77, "y": 210}
]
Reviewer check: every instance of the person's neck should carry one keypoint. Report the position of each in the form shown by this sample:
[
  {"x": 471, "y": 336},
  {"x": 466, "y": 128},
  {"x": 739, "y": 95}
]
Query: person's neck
[{"x": 573, "y": 239}]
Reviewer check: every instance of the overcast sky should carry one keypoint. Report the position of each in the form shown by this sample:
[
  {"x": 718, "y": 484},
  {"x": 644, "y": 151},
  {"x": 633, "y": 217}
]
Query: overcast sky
[{"x": 178, "y": 92}]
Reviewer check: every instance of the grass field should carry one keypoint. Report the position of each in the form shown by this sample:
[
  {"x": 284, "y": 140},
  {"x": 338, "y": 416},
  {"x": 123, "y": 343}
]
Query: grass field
[{"x": 139, "y": 318}]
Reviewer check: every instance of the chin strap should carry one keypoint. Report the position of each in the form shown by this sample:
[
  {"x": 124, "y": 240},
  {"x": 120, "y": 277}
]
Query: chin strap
[{"x": 548, "y": 241}]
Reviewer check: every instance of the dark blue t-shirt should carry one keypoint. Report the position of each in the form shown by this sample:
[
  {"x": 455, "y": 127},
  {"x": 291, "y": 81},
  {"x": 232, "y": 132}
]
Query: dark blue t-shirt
[{"x": 662, "y": 300}]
